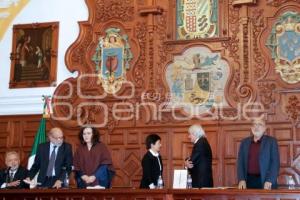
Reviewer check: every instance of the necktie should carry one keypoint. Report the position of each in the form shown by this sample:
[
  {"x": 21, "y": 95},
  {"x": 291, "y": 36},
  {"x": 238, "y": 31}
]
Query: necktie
[
  {"x": 51, "y": 162},
  {"x": 11, "y": 176}
]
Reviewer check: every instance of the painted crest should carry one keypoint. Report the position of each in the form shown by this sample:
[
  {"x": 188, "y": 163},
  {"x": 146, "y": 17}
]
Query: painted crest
[
  {"x": 284, "y": 44},
  {"x": 197, "y": 80},
  {"x": 197, "y": 19},
  {"x": 112, "y": 59}
]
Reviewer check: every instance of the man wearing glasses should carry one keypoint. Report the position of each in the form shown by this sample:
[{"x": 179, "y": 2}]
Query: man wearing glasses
[
  {"x": 53, "y": 161},
  {"x": 258, "y": 159}
]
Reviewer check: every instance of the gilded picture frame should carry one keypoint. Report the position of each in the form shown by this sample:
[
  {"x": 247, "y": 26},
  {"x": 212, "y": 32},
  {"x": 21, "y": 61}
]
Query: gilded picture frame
[{"x": 34, "y": 55}]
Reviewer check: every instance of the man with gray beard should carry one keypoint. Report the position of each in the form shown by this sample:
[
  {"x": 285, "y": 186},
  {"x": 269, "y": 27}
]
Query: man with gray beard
[{"x": 258, "y": 159}]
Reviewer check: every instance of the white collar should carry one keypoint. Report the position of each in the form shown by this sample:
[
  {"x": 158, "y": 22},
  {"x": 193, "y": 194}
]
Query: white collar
[
  {"x": 55, "y": 145},
  {"x": 154, "y": 153},
  {"x": 196, "y": 140},
  {"x": 14, "y": 170}
]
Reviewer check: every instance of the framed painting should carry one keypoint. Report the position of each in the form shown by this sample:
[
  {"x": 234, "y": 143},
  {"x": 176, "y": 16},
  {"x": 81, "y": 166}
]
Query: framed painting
[{"x": 34, "y": 55}]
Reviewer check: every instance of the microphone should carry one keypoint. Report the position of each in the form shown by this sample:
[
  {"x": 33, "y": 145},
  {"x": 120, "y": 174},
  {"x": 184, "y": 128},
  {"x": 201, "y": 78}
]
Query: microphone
[
  {"x": 69, "y": 168},
  {"x": 7, "y": 170}
]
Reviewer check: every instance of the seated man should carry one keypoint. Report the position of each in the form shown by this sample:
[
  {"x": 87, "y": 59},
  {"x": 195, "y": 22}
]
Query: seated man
[
  {"x": 12, "y": 177},
  {"x": 258, "y": 159}
]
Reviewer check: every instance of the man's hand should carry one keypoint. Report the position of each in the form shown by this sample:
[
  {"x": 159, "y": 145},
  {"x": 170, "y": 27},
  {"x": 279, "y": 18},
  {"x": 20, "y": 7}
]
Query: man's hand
[
  {"x": 28, "y": 181},
  {"x": 242, "y": 185},
  {"x": 188, "y": 164},
  {"x": 13, "y": 184},
  {"x": 85, "y": 178},
  {"x": 92, "y": 179},
  {"x": 268, "y": 185},
  {"x": 57, "y": 184}
]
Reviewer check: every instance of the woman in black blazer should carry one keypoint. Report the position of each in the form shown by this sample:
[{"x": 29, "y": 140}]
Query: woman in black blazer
[{"x": 151, "y": 163}]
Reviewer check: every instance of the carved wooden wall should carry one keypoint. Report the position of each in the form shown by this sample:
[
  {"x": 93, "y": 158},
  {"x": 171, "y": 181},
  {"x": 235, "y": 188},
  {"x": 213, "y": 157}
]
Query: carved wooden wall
[{"x": 150, "y": 26}]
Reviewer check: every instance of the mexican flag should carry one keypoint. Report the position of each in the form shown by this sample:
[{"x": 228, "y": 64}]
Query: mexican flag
[{"x": 40, "y": 136}]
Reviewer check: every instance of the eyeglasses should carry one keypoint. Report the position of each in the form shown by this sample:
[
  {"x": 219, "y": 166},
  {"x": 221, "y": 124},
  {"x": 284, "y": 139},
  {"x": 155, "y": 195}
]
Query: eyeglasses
[
  {"x": 257, "y": 125},
  {"x": 57, "y": 138}
]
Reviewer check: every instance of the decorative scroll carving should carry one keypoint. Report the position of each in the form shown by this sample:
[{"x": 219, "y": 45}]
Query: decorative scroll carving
[
  {"x": 245, "y": 91},
  {"x": 139, "y": 68},
  {"x": 163, "y": 51},
  {"x": 228, "y": 113},
  {"x": 77, "y": 57},
  {"x": 114, "y": 9},
  {"x": 293, "y": 108},
  {"x": 277, "y": 3},
  {"x": 258, "y": 24},
  {"x": 151, "y": 59},
  {"x": 232, "y": 46},
  {"x": 266, "y": 93},
  {"x": 245, "y": 51},
  {"x": 111, "y": 121}
]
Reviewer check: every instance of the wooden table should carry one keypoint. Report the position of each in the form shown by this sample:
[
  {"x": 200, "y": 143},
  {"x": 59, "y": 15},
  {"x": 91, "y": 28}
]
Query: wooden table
[
  {"x": 138, "y": 194},
  {"x": 235, "y": 194}
]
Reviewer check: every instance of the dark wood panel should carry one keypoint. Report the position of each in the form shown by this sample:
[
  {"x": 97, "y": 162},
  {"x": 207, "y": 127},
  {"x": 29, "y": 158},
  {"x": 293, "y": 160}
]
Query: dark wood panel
[{"x": 150, "y": 26}]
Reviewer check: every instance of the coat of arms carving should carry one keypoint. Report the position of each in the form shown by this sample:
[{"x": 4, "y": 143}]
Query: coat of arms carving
[
  {"x": 112, "y": 58},
  {"x": 284, "y": 44}
]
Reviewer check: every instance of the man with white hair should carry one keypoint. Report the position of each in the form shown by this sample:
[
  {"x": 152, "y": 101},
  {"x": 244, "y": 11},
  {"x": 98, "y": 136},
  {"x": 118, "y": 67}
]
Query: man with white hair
[
  {"x": 258, "y": 159},
  {"x": 199, "y": 163}
]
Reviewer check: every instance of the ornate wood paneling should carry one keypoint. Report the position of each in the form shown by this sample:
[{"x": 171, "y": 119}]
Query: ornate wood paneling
[{"x": 150, "y": 28}]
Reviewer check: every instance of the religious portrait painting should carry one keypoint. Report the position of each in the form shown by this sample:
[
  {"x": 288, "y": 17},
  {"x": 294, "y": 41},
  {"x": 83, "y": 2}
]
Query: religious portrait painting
[{"x": 34, "y": 55}]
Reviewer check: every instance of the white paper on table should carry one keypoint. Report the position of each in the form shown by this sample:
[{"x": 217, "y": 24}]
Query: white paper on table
[
  {"x": 95, "y": 187},
  {"x": 180, "y": 178}
]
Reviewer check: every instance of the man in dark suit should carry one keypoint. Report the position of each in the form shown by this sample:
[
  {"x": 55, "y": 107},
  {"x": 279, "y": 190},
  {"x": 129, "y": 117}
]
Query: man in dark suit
[
  {"x": 258, "y": 159},
  {"x": 12, "y": 177},
  {"x": 53, "y": 161},
  {"x": 199, "y": 164}
]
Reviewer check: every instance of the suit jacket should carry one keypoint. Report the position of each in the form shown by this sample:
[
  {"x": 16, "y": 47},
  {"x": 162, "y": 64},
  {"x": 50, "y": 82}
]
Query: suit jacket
[
  {"x": 20, "y": 174},
  {"x": 151, "y": 170},
  {"x": 63, "y": 162},
  {"x": 201, "y": 157},
  {"x": 268, "y": 159}
]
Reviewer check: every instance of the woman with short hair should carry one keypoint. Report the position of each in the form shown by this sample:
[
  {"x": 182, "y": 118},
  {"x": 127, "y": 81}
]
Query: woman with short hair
[{"x": 152, "y": 164}]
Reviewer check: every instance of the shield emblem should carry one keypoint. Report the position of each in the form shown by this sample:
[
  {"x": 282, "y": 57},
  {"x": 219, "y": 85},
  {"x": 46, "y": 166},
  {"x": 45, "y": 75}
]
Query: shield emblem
[
  {"x": 284, "y": 45},
  {"x": 197, "y": 18},
  {"x": 112, "y": 67},
  {"x": 289, "y": 45},
  {"x": 112, "y": 57},
  {"x": 203, "y": 80}
]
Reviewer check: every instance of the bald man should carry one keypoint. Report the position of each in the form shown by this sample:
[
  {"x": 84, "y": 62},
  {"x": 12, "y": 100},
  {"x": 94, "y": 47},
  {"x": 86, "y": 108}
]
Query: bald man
[
  {"x": 53, "y": 160},
  {"x": 199, "y": 164},
  {"x": 12, "y": 177},
  {"x": 258, "y": 159}
]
